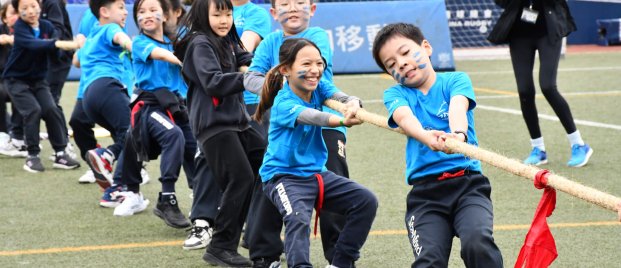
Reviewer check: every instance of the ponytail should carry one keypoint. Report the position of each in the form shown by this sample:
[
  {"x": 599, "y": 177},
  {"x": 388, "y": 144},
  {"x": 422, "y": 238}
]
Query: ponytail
[{"x": 271, "y": 86}]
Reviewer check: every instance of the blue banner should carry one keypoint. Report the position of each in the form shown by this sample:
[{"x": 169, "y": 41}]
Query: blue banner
[{"x": 352, "y": 35}]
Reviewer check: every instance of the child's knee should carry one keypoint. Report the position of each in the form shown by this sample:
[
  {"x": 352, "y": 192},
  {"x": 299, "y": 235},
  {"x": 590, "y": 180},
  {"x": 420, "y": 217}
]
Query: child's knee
[{"x": 476, "y": 240}]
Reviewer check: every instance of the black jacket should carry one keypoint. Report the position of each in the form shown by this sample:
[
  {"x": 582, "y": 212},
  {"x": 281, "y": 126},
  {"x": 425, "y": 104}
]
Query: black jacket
[
  {"x": 215, "y": 93},
  {"x": 558, "y": 20},
  {"x": 29, "y": 56},
  {"x": 55, "y": 11}
]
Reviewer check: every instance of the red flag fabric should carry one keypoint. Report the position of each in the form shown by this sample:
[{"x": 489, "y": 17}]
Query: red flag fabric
[{"x": 539, "y": 249}]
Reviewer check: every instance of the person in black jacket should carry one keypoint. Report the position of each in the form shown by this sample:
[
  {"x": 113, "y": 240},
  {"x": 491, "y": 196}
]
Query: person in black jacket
[
  {"x": 55, "y": 11},
  {"x": 539, "y": 25},
  {"x": 213, "y": 55},
  {"x": 24, "y": 77}
]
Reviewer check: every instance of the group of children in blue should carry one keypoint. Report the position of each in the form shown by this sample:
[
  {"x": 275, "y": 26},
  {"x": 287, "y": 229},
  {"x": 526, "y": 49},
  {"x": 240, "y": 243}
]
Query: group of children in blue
[{"x": 263, "y": 181}]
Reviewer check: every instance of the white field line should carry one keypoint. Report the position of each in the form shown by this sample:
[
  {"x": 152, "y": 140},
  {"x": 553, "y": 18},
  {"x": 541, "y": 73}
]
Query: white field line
[
  {"x": 583, "y": 69},
  {"x": 584, "y": 93},
  {"x": 542, "y": 116}
]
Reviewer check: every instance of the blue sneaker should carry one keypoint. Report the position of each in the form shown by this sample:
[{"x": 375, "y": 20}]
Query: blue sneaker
[
  {"x": 580, "y": 155},
  {"x": 111, "y": 197},
  {"x": 537, "y": 157}
]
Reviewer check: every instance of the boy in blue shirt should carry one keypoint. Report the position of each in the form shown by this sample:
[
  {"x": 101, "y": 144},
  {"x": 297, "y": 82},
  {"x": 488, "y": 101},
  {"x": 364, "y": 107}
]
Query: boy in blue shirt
[
  {"x": 24, "y": 77},
  {"x": 450, "y": 196},
  {"x": 105, "y": 100},
  {"x": 294, "y": 18}
]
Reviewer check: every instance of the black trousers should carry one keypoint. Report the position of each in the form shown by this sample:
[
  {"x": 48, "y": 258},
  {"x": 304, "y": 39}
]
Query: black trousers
[
  {"x": 522, "y": 51},
  {"x": 106, "y": 103},
  {"x": 296, "y": 197},
  {"x": 207, "y": 194},
  {"x": 460, "y": 206},
  {"x": 34, "y": 102},
  {"x": 82, "y": 127},
  {"x": 266, "y": 223},
  {"x": 56, "y": 77},
  {"x": 167, "y": 137},
  {"x": 235, "y": 158}
]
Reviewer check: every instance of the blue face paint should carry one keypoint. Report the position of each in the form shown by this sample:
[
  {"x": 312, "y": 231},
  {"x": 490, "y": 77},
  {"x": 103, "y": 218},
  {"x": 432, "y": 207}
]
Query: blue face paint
[
  {"x": 158, "y": 16},
  {"x": 301, "y": 74},
  {"x": 402, "y": 81},
  {"x": 397, "y": 77},
  {"x": 422, "y": 66},
  {"x": 417, "y": 54},
  {"x": 393, "y": 72}
]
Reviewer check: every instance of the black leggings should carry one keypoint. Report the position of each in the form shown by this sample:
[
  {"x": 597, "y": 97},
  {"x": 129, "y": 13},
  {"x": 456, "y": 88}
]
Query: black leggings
[{"x": 523, "y": 59}]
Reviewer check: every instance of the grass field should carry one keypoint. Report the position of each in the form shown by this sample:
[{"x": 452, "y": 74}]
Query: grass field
[{"x": 49, "y": 220}]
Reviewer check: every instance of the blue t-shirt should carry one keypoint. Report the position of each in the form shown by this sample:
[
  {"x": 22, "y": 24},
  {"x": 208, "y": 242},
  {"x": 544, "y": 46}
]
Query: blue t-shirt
[
  {"x": 99, "y": 57},
  {"x": 87, "y": 23},
  {"x": 154, "y": 74},
  {"x": 293, "y": 148},
  {"x": 266, "y": 55},
  {"x": 250, "y": 17},
  {"x": 432, "y": 112}
]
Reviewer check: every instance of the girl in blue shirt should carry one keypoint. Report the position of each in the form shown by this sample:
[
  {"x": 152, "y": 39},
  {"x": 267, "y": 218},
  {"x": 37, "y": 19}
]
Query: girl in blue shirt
[
  {"x": 293, "y": 171},
  {"x": 159, "y": 120}
]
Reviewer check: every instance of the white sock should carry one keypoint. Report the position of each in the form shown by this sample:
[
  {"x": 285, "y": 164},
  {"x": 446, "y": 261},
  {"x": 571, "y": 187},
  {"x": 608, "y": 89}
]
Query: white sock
[
  {"x": 575, "y": 138},
  {"x": 538, "y": 143}
]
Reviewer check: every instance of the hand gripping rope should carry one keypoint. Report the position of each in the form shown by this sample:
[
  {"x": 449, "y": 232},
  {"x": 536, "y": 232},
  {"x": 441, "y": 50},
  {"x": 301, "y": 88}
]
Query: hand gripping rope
[{"x": 513, "y": 166}]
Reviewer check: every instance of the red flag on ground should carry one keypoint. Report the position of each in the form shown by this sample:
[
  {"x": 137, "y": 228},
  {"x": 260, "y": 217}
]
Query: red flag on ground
[{"x": 539, "y": 248}]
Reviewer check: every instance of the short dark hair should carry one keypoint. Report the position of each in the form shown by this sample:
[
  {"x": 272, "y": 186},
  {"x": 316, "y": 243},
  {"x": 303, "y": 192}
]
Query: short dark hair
[
  {"x": 406, "y": 30},
  {"x": 274, "y": 2},
  {"x": 15, "y": 4},
  {"x": 95, "y": 5}
]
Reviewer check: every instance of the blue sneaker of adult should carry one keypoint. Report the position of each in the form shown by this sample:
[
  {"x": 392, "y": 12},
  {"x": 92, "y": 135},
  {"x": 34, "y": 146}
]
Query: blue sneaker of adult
[
  {"x": 580, "y": 155},
  {"x": 537, "y": 157}
]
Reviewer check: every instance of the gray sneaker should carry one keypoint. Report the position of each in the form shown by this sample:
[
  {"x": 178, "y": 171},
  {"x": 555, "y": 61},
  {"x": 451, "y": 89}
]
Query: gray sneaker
[
  {"x": 64, "y": 161},
  {"x": 33, "y": 164}
]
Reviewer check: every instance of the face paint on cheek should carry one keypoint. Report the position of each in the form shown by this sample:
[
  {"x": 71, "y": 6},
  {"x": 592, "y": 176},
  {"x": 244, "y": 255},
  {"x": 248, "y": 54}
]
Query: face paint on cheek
[
  {"x": 402, "y": 81},
  {"x": 158, "y": 16},
  {"x": 140, "y": 18},
  {"x": 282, "y": 15},
  {"x": 23, "y": 14},
  {"x": 302, "y": 74},
  {"x": 422, "y": 66}
]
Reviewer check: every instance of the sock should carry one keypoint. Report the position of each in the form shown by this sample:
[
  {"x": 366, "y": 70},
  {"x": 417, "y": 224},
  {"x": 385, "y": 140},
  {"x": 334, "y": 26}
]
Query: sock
[
  {"x": 538, "y": 143},
  {"x": 575, "y": 138}
]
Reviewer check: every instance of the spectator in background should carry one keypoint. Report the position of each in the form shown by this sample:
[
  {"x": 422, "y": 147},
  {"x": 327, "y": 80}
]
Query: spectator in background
[
  {"x": 56, "y": 12},
  {"x": 539, "y": 25}
]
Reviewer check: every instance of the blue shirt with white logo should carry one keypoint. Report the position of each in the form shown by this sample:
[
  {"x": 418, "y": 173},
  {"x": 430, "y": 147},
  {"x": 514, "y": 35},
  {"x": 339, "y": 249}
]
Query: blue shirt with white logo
[
  {"x": 250, "y": 17},
  {"x": 266, "y": 55},
  {"x": 432, "y": 112},
  {"x": 154, "y": 74},
  {"x": 99, "y": 57},
  {"x": 293, "y": 148}
]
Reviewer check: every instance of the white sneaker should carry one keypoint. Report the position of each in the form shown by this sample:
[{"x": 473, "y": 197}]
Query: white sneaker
[
  {"x": 88, "y": 177},
  {"x": 14, "y": 148},
  {"x": 145, "y": 176},
  {"x": 132, "y": 203},
  {"x": 200, "y": 235}
]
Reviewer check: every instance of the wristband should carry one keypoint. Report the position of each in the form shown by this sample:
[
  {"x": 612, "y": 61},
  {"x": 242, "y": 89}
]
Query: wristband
[
  {"x": 342, "y": 123},
  {"x": 125, "y": 44},
  {"x": 462, "y": 132}
]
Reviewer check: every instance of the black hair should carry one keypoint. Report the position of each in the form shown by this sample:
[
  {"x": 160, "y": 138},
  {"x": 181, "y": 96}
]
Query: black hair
[
  {"x": 95, "y": 5},
  {"x": 196, "y": 22},
  {"x": 274, "y": 2},
  {"x": 165, "y": 8},
  {"x": 274, "y": 79},
  {"x": 406, "y": 30},
  {"x": 15, "y": 4},
  {"x": 177, "y": 5}
]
